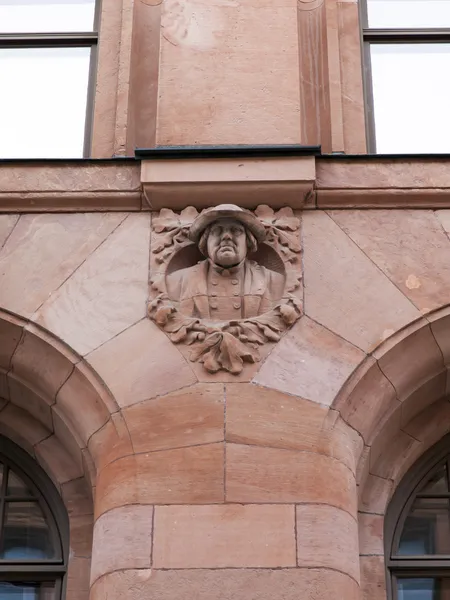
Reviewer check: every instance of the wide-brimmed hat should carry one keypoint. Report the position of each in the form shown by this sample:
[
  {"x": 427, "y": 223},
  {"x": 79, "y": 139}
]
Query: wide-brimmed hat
[{"x": 223, "y": 211}]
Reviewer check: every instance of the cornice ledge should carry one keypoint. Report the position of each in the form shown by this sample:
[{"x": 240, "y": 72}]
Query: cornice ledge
[
  {"x": 277, "y": 176},
  {"x": 377, "y": 181},
  {"x": 70, "y": 185}
]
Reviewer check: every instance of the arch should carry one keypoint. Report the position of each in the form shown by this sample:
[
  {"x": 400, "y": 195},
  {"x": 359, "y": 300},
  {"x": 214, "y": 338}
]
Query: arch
[
  {"x": 56, "y": 408},
  {"x": 416, "y": 527},
  {"x": 397, "y": 400},
  {"x": 31, "y": 505},
  {"x": 60, "y": 393}
]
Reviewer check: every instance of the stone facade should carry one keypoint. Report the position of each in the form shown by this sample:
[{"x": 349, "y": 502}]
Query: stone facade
[{"x": 268, "y": 482}]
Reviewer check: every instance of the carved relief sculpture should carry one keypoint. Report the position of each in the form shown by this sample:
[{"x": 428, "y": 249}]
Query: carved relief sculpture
[{"x": 240, "y": 295}]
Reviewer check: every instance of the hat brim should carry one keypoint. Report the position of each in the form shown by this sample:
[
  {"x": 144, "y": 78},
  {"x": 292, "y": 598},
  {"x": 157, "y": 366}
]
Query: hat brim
[{"x": 244, "y": 217}]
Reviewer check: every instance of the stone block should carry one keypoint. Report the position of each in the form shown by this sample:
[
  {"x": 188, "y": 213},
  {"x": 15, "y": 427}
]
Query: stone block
[
  {"x": 107, "y": 293},
  {"x": 153, "y": 366},
  {"x": 224, "y": 536},
  {"x": 371, "y": 534},
  {"x": 256, "y": 474},
  {"x": 259, "y": 416},
  {"x": 327, "y": 537},
  {"x": 185, "y": 418},
  {"x": 311, "y": 362},
  {"x": 186, "y": 475},
  {"x": 226, "y": 584},
  {"x": 122, "y": 540}
]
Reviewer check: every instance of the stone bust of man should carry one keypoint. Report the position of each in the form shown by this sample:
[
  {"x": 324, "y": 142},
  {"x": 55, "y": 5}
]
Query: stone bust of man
[{"x": 227, "y": 285}]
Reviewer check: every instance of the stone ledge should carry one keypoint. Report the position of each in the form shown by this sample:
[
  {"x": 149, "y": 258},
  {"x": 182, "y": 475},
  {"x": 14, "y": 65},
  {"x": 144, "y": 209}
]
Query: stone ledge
[
  {"x": 381, "y": 182},
  {"x": 302, "y": 182},
  {"x": 70, "y": 186},
  {"x": 278, "y": 181}
]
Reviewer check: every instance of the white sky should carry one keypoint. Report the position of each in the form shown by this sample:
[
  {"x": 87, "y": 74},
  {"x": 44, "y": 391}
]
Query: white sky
[
  {"x": 44, "y": 16},
  {"x": 43, "y": 102},
  {"x": 411, "y": 88},
  {"x": 44, "y": 90},
  {"x": 408, "y": 13}
]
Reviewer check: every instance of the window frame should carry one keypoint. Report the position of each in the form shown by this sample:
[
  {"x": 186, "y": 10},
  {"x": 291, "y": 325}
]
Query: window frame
[
  {"x": 397, "y": 512},
  {"x": 49, "y": 500},
  {"x": 371, "y": 35},
  {"x": 76, "y": 39}
]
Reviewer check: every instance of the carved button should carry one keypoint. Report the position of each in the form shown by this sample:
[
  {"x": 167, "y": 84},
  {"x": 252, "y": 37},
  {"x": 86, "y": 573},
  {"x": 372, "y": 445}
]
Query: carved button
[
  {"x": 214, "y": 282},
  {"x": 214, "y": 305},
  {"x": 213, "y": 293},
  {"x": 234, "y": 281},
  {"x": 236, "y": 293},
  {"x": 237, "y": 305}
]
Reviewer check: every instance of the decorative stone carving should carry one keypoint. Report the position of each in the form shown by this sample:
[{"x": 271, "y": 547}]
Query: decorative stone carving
[{"x": 243, "y": 292}]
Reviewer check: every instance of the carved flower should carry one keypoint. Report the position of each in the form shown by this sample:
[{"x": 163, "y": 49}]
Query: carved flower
[
  {"x": 172, "y": 229},
  {"x": 169, "y": 220},
  {"x": 282, "y": 219},
  {"x": 222, "y": 350},
  {"x": 282, "y": 229}
]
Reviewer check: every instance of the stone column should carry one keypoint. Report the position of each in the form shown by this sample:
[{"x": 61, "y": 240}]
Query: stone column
[{"x": 269, "y": 512}]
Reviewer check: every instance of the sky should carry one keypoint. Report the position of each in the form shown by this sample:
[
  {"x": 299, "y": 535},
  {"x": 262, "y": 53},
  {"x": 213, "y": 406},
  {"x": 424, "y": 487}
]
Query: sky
[{"x": 44, "y": 90}]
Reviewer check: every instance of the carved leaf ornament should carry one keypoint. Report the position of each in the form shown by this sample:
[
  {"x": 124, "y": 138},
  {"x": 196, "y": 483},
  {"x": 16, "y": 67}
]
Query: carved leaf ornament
[{"x": 225, "y": 345}]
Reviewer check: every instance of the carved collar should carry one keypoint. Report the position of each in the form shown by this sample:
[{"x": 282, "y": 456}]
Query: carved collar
[{"x": 228, "y": 272}]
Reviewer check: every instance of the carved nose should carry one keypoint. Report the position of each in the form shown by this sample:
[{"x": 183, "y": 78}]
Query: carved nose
[{"x": 226, "y": 235}]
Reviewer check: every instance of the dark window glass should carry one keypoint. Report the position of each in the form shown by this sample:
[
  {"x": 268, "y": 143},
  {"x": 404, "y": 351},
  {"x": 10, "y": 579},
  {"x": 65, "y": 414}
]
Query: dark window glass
[
  {"x": 43, "y": 590},
  {"x": 16, "y": 486},
  {"x": 33, "y": 558},
  {"x": 417, "y": 530},
  {"x": 426, "y": 528},
  {"x": 423, "y": 588},
  {"x": 437, "y": 483},
  {"x": 26, "y": 533}
]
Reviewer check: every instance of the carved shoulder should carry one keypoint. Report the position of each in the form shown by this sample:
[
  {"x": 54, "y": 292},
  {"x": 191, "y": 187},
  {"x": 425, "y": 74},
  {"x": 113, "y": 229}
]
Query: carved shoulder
[
  {"x": 177, "y": 281},
  {"x": 275, "y": 283}
]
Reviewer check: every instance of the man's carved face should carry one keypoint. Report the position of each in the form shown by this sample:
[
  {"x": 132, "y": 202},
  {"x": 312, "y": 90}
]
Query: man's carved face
[{"x": 227, "y": 242}]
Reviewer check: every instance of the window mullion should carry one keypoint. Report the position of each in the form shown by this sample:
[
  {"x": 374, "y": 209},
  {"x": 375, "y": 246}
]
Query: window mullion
[
  {"x": 2, "y": 502},
  {"x": 29, "y": 40},
  {"x": 430, "y": 35}
]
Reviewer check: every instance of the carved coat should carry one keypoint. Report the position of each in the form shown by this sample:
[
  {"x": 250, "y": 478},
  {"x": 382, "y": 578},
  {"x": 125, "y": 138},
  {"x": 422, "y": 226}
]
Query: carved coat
[{"x": 261, "y": 289}]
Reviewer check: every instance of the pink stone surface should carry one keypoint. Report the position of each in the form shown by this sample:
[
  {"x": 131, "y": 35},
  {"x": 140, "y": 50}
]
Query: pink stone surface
[
  {"x": 311, "y": 362},
  {"x": 226, "y": 584},
  {"x": 409, "y": 246},
  {"x": 220, "y": 82},
  {"x": 327, "y": 537},
  {"x": 107, "y": 293},
  {"x": 224, "y": 536},
  {"x": 155, "y": 369},
  {"x": 44, "y": 250},
  {"x": 344, "y": 290},
  {"x": 122, "y": 540}
]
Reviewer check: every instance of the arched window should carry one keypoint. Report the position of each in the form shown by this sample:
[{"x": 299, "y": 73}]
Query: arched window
[
  {"x": 417, "y": 530},
  {"x": 33, "y": 530}
]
